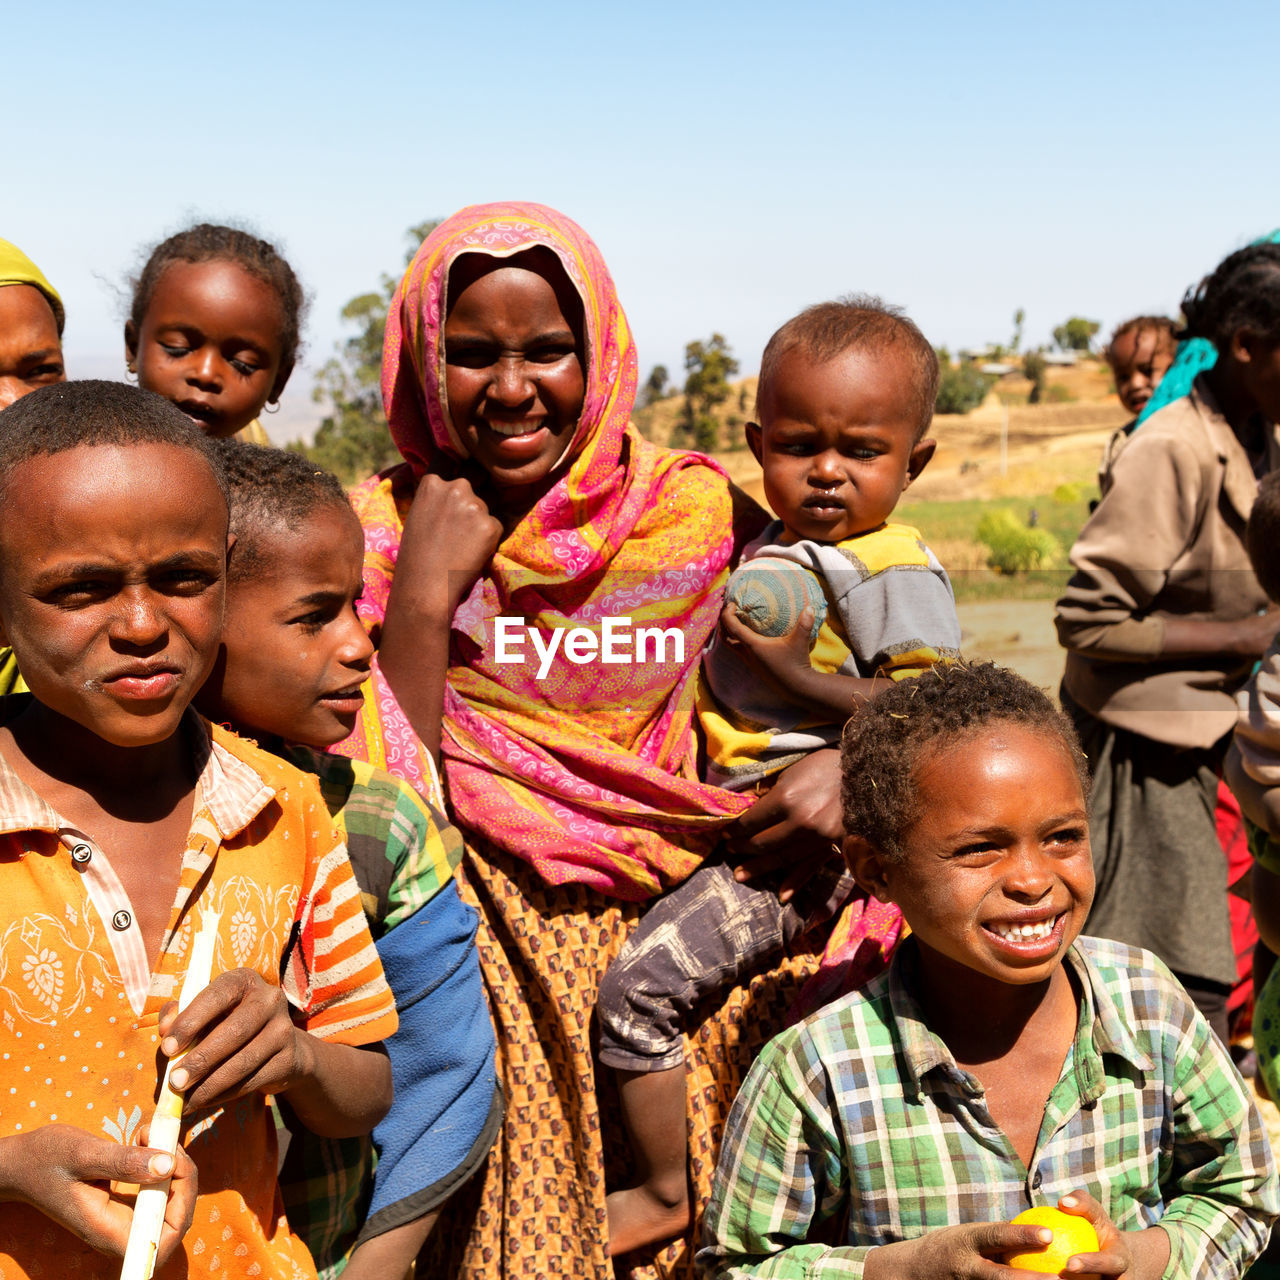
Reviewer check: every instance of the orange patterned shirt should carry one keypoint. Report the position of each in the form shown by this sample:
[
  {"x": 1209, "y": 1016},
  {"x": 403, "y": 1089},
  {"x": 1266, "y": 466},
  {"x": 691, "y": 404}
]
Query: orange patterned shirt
[{"x": 79, "y": 1006}]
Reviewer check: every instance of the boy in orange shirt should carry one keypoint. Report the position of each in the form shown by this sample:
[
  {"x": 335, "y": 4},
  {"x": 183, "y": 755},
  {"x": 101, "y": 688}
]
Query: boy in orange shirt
[{"x": 123, "y": 819}]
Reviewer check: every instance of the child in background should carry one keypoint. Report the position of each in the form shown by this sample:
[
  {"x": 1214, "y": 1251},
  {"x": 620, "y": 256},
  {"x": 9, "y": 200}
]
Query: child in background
[
  {"x": 31, "y": 321},
  {"x": 125, "y": 820},
  {"x": 1139, "y": 353},
  {"x": 846, "y": 394},
  {"x": 1002, "y": 1060},
  {"x": 294, "y": 656},
  {"x": 213, "y": 326}
]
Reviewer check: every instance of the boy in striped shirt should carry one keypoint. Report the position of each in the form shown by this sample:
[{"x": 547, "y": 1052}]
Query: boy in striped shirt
[
  {"x": 123, "y": 818},
  {"x": 295, "y": 657}
]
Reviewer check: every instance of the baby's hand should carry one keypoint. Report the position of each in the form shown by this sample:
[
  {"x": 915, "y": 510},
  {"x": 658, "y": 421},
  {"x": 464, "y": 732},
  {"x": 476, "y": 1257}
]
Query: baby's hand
[
  {"x": 67, "y": 1174},
  {"x": 238, "y": 1038},
  {"x": 782, "y": 660}
]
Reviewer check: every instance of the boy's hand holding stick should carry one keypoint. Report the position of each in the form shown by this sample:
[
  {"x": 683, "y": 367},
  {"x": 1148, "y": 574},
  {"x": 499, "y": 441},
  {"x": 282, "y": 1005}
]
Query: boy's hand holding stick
[
  {"x": 238, "y": 1037},
  {"x": 67, "y": 1174}
]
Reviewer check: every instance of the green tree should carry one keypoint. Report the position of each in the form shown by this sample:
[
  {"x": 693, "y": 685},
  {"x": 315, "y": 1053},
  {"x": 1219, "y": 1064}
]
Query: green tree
[
  {"x": 1076, "y": 334},
  {"x": 1016, "y": 341},
  {"x": 709, "y": 366},
  {"x": 960, "y": 388},
  {"x": 655, "y": 388},
  {"x": 1034, "y": 367},
  {"x": 352, "y": 439}
]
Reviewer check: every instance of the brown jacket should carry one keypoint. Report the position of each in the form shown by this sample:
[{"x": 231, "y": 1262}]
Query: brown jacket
[
  {"x": 1116, "y": 442},
  {"x": 1167, "y": 539}
]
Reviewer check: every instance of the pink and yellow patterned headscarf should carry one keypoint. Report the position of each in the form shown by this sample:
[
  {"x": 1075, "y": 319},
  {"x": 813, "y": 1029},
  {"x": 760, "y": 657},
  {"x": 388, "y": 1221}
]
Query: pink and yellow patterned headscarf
[{"x": 590, "y": 772}]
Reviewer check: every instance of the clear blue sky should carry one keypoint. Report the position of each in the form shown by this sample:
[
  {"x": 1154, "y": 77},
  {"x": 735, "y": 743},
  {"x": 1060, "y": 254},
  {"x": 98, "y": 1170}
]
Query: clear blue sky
[{"x": 734, "y": 162}]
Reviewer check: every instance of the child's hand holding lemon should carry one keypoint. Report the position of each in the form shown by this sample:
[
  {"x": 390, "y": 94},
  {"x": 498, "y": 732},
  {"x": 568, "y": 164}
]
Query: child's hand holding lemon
[{"x": 1072, "y": 1234}]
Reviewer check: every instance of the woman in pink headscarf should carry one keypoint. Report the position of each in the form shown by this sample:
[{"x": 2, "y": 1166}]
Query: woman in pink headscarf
[{"x": 528, "y": 504}]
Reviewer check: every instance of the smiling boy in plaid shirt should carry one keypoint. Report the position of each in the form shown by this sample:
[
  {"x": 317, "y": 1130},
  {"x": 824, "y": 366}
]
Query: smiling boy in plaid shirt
[{"x": 1002, "y": 1061}]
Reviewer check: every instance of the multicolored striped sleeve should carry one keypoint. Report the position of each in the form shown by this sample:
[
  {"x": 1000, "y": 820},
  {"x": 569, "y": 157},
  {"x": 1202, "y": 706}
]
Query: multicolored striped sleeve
[
  {"x": 333, "y": 967},
  {"x": 430, "y": 849}
]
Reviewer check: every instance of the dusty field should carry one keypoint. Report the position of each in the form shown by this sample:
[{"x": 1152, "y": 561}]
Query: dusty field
[
  {"x": 1044, "y": 446},
  {"x": 1017, "y": 634}
]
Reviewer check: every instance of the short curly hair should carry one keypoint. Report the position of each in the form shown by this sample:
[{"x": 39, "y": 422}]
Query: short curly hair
[
  {"x": 1161, "y": 326},
  {"x": 67, "y": 415},
  {"x": 270, "y": 490},
  {"x": 888, "y": 737}
]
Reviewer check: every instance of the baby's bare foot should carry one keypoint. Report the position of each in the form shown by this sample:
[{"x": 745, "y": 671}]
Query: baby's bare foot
[{"x": 640, "y": 1216}]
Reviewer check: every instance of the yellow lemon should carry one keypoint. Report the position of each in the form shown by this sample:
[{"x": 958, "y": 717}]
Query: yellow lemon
[{"x": 1071, "y": 1235}]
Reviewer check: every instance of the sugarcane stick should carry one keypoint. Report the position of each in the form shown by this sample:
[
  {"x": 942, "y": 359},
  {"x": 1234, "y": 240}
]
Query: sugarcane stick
[{"x": 149, "y": 1207}]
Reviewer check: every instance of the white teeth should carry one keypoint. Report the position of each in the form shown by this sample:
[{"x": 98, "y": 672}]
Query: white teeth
[
  {"x": 1025, "y": 932},
  {"x": 513, "y": 428}
]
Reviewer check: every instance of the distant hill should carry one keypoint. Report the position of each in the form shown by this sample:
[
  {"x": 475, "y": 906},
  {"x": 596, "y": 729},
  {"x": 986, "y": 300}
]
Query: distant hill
[
  {"x": 1059, "y": 441},
  {"x": 660, "y": 422}
]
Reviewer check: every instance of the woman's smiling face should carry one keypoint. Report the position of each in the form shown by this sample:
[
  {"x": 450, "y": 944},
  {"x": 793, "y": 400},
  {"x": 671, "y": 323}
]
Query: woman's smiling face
[{"x": 514, "y": 355}]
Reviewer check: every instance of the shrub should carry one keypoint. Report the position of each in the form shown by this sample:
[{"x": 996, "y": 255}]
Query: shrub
[
  {"x": 1034, "y": 366},
  {"x": 960, "y": 388},
  {"x": 1065, "y": 494},
  {"x": 1012, "y": 547}
]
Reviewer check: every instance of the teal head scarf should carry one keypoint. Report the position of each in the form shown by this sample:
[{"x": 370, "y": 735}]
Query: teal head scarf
[{"x": 1194, "y": 356}]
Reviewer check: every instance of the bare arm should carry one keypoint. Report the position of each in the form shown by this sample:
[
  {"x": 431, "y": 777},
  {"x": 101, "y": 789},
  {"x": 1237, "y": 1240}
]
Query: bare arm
[
  {"x": 449, "y": 537},
  {"x": 389, "y": 1255},
  {"x": 795, "y": 824},
  {"x": 1259, "y": 803},
  {"x": 242, "y": 1040},
  {"x": 1207, "y": 637},
  {"x": 977, "y": 1250},
  {"x": 1265, "y": 886},
  {"x": 343, "y": 1090}
]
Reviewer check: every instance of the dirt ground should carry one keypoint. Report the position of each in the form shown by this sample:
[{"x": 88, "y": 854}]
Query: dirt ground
[{"x": 1017, "y": 634}]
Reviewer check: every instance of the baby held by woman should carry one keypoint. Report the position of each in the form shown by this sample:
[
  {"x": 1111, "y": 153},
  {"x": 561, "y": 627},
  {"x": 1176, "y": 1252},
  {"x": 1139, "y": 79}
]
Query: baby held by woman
[{"x": 835, "y": 601}]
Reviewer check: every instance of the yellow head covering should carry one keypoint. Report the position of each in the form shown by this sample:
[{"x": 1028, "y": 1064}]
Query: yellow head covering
[{"x": 17, "y": 268}]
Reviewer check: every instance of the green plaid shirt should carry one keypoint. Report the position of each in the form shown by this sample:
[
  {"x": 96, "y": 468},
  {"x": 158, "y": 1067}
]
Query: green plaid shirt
[
  {"x": 858, "y": 1127},
  {"x": 403, "y": 852}
]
